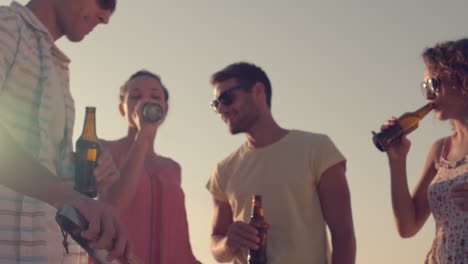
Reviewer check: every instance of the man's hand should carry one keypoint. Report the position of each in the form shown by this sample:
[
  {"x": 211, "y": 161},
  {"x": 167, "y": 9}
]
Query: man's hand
[
  {"x": 105, "y": 229},
  {"x": 106, "y": 173},
  {"x": 241, "y": 235}
]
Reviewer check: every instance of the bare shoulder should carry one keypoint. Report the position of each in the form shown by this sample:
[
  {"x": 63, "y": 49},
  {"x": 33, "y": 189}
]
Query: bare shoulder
[
  {"x": 436, "y": 149},
  {"x": 166, "y": 162},
  {"x": 170, "y": 170},
  {"x": 432, "y": 159}
]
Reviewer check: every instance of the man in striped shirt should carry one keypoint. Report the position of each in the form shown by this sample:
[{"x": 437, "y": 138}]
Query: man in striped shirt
[{"x": 36, "y": 124}]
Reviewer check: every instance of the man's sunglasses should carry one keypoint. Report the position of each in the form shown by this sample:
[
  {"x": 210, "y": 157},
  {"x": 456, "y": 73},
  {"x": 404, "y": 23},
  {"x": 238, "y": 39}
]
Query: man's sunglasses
[
  {"x": 226, "y": 98},
  {"x": 107, "y": 4},
  {"x": 430, "y": 87}
]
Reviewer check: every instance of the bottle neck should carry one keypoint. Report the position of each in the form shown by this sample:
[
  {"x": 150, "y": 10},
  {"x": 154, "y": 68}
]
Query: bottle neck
[
  {"x": 257, "y": 212},
  {"x": 89, "y": 127},
  {"x": 423, "y": 111}
]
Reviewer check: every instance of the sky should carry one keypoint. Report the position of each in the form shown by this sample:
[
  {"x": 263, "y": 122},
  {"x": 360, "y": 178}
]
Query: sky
[{"x": 337, "y": 67}]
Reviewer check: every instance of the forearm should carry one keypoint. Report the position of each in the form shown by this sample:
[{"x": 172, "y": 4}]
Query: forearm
[
  {"x": 21, "y": 172},
  {"x": 344, "y": 249},
  {"x": 121, "y": 193},
  {"x": 402, "y": 202},
  {"x": 221, "y": 252}
]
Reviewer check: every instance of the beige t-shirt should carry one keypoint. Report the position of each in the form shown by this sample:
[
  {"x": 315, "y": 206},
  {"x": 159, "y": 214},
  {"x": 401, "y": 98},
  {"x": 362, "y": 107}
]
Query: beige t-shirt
[{"x": 286, "y": 174}]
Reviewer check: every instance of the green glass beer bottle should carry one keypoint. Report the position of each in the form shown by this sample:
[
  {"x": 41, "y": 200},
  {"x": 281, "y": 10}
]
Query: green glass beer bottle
[{"x": 87, "y": 152}]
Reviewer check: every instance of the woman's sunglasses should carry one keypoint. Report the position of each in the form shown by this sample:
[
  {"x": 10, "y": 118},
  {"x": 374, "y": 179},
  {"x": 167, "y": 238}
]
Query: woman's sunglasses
[
  {"x": 226, "y": 98},
  {"x": 430, "y": 87}
]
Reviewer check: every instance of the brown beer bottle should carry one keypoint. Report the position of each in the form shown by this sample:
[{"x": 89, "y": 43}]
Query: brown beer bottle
[
  {"x": 405, "y": 125},
  {"x": 257, "y": 220},
  {"x": 87, "y": 151}
]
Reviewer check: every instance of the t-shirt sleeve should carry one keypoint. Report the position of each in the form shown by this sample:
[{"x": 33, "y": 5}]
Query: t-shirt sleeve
[
  {"x": 216, "y": 187},
  {"x": 327, "y": 155}
]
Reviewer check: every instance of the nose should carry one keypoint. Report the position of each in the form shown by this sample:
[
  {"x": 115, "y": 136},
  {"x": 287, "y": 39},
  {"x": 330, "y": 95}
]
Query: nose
[
  {"x": 430, "y": 96},
  {"x": 104, "y": 17},
  {"x": 222, "y": 108}
]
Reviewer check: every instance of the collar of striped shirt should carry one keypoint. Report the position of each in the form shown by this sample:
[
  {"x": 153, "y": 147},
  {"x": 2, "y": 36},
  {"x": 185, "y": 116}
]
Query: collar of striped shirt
[{"x": 32, "y": 20}]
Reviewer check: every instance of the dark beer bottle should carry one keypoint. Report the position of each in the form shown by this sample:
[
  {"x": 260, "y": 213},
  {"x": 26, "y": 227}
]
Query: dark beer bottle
[
  {"x": 87, "y": 151},
  {"x": 257, "y": 220},
  {"x": 405, "y": 125}
]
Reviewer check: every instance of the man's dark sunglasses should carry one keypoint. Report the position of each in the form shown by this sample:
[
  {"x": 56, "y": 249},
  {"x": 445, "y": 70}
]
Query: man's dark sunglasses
[
  {"x": 430, "y": 87},
  {"x": 226, "y": 97},
  {"x": 107, "y": 4}
]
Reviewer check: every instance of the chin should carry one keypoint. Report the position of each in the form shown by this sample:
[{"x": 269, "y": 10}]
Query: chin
[
  {"x": 437, "y": 114},
  {"x": 235, "y": 130},
  {"x": 75, "y": 37},
  {"x": 442, "y": 116}
]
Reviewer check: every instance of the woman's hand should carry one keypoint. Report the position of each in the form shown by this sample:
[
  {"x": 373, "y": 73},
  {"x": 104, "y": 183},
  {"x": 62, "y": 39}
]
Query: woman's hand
[{"x": 400, "y": 148}]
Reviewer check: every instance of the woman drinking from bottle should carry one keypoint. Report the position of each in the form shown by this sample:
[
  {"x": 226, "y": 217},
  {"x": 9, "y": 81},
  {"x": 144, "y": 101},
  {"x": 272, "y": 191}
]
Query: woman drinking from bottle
[
  {"x": 148, "y": 195},
  {"x": 443, "y": 187}
]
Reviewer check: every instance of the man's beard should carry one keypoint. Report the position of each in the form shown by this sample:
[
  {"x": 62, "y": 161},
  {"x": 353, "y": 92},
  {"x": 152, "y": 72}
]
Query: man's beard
[{"x": 244, "y": 124}]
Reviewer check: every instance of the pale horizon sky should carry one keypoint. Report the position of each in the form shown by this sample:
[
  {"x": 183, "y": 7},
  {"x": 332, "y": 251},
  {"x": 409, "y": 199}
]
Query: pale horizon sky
[{"x": 339, "y": 68}]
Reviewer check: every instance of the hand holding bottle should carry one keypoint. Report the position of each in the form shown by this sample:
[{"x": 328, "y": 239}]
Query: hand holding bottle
[
  {"x": 106, "y": 173},
  {"x": 399, "y": 148},
  {"x": 240, "y": 235},
  {"x": 396, "y": 129},
  {"x": 105, "y": 231}
]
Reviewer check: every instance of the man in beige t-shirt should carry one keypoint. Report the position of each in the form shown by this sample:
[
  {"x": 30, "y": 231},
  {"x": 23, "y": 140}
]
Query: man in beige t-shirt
[{"x": 300, "y": 175}]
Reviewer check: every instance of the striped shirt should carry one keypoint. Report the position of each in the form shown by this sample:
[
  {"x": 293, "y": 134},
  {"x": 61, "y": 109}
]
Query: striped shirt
[{"x": 37, "y": 110}]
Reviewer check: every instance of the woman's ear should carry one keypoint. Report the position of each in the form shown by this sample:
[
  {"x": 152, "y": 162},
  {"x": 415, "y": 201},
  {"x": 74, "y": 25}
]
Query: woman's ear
[
  {"x": 121, "y": 109},
  {"x": 166, "y": 108}
]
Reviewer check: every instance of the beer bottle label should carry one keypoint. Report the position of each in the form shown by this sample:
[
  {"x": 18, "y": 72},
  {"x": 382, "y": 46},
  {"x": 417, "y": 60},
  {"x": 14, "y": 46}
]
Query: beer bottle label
[{"x": 91, "y": 155}]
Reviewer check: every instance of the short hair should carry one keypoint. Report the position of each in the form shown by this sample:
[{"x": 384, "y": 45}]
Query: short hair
[
  {"x": 449, "y": 60},
  {"x": 124, "y": 88},
  {"x": 107, "y": 4},
  {"x": 245, "y": 73}
]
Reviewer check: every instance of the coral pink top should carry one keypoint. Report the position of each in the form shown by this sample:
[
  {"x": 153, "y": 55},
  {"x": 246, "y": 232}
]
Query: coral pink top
[{"x": 156, "y": 219}]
